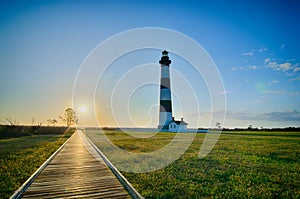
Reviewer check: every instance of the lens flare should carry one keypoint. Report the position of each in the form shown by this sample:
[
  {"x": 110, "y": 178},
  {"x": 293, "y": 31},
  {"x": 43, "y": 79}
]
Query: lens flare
[{"x": 82, "y": 109}]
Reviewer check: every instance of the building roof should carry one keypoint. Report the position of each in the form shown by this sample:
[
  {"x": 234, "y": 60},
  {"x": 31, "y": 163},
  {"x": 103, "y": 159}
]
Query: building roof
[{"x": 179, "y": 122}]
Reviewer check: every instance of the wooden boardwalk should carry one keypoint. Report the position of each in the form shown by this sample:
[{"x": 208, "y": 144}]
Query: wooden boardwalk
[{"x": 77, "y": 171}]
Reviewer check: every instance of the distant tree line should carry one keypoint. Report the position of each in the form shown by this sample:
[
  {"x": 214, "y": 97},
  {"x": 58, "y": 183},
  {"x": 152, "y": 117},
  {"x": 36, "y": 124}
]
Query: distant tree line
[
  {"x": 11, "y": 128},
  {"x": 285, "y": 129}
]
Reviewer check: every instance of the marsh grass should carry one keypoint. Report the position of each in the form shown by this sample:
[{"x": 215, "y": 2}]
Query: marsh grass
[
  {"x": 20, "y": 157},
  {"x": 241, "y": 165}
]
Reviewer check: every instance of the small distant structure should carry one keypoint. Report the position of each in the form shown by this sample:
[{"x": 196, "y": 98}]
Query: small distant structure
[
  {"x": 166, "y": 120},
  {"x": 177, "y": 126}
]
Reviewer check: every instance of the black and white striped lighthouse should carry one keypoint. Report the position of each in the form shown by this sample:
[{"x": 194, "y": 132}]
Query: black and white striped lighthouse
[{"x": 165, "y": 110}]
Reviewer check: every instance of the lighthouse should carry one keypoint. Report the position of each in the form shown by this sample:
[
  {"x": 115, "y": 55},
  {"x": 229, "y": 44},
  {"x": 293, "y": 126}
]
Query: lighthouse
[
  {"x": 165, "y": 110},
  {"x": 166, "y": 121}
]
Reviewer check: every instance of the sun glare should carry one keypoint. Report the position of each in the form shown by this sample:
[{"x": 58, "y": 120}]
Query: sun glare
[{"x": 82, "y": 109}]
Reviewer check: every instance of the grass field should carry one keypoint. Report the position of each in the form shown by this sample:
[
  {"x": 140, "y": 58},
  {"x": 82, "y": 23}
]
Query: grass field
[
  {"x": 20, "y": 157},
  {"x": 241, "y": 165}
]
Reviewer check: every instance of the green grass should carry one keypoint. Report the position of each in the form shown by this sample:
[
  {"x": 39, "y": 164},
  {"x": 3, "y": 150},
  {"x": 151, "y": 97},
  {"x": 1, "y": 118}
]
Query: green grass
[
  {"x": 241, "y": 165},
  {"x": 20, "y": 157}
]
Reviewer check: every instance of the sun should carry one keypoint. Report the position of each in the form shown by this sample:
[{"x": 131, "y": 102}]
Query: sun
[{"x": 82, "y": 109}]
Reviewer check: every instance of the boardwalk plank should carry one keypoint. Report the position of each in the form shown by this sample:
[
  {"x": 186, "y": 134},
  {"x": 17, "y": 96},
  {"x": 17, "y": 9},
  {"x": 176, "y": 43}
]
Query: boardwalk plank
[{"x": 76, "y": 172}]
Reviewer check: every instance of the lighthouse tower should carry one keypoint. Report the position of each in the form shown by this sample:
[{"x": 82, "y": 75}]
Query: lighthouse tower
[{"x": 165, "y": 111}]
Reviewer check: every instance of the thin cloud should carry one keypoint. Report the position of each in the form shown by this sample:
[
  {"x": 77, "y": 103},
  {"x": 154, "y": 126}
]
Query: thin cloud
[
  {"x": 282, "y": 46},
  {"x": 267, "y": 60},
  {"x": 295, "y": 79},
  {"x": 248, "y": 53},
  {"x": 273, "y": 82},
  {"x": 274, "y": 91},
  {"x": 283, "y": 67},
  {"x": 251, "y": 53},
  {"x": 283, "y": 115},
  {"x": 241, "y": 115},
  {"x": 251, "y": 67},
  {"x": 296, "y": 69},
  {"x": 294, "y": 93},
  {"x": 280, "y": 92},
  {"x": 288, "y": 67},
  {"x": 262, "y": 49},
  {"x": 291, "y": 115}
]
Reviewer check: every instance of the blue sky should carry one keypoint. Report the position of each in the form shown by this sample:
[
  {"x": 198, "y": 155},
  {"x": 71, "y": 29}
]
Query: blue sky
[{"x": 255, "y": 45}]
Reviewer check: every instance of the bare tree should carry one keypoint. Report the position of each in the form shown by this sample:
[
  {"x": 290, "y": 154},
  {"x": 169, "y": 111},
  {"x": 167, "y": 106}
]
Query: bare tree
[
  {"x": 218, "y": 124},
  {"x": 69, "y": 117},
  {"x": 52, "y": 122},
  {"x": 11, "y": 122},
  {"x": 49, "y": 121}
]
